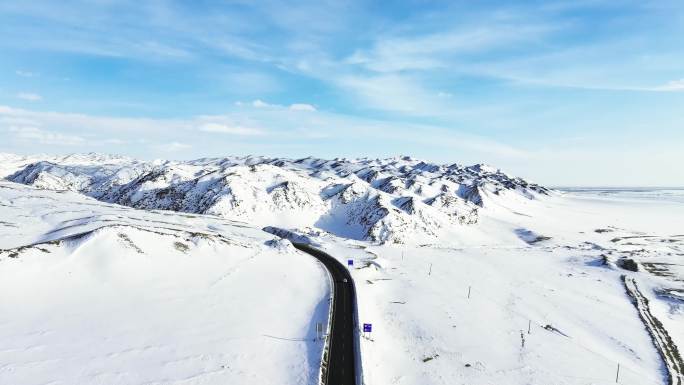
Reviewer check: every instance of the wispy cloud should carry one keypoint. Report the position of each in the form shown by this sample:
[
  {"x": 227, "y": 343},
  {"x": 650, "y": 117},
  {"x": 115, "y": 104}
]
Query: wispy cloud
[
  {"x": 439, "y": 50},
  {"x": 146, "y": 33},
  {"x": 261, "y": 104},
  {"x": 283, "y": 125},
  {"x": 396, "y": 94},
  {"x": 302, "y": 107},
  {"x": 674, "y": 85},
  {"x": 26, "y": 74},
  {"x": 31, "y": 97},
  {"x": 597, "y": 85},
  {"x": 517, "y": 46},
  {"x": 258, "y": 103},
  {"x": 39, "y": 136},
  {"x": 295, "y": 133},
  {"x": 230, "y": 129},
  {"x": 171, "y": 147}
]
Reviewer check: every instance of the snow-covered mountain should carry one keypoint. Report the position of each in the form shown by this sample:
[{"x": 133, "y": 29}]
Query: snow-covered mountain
[
  {"x": 380, "y": 200},
  {"x": 534, "y": 292}
]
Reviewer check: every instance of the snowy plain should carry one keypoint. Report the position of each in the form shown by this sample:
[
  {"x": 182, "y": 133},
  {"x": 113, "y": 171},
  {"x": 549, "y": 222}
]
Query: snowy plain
[
  {"x": 428, "y": 331},
  {"x": 530, "y": 293}
]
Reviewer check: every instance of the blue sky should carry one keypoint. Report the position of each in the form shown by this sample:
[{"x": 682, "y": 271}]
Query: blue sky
[{"x": 585, "y": 92}]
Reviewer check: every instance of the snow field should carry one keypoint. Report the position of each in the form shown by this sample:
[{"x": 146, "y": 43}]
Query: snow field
[
  {"x": 126, "y": 305},
  {"x": 426, "y": 330}
]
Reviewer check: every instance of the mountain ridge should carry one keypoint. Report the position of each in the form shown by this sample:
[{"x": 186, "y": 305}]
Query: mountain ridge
[{"x": 379, "y": 200}]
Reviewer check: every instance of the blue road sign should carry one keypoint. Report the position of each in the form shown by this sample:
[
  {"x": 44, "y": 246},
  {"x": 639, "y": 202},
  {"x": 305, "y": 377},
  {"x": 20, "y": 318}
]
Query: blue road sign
[
  {"x": 367, "y": 328},
  {"x": 350, "y": 262}
]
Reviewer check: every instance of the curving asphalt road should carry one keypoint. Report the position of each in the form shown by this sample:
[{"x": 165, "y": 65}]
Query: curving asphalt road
[{"x": 342, "y": 366}]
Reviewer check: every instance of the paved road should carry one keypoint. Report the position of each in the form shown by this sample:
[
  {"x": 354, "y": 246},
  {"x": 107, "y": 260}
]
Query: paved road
[{"x": 341, "y": 358}]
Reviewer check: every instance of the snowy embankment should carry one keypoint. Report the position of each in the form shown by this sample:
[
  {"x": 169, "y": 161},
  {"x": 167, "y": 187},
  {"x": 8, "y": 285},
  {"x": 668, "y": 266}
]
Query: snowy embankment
[
  {"x": 660, "y": 336},
  {"x": 113, "y": 295}
]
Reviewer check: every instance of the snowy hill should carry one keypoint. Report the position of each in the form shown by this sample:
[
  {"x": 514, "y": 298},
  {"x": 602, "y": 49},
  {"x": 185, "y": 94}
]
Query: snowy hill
[
  {"x": 94, "y": 293},
  {"x": 396, "y": 200}
]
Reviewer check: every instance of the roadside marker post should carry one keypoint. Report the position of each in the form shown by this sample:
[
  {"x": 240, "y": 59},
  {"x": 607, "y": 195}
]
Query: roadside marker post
[
  {"x": 319, "y": 330},
  {"x": 522, "y": 339}
]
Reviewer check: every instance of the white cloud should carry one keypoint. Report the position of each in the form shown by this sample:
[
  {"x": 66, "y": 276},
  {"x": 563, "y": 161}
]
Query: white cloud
[
  {"x": 71, "y": 121},
  {"x": 29, "y": 96},
  {"x": 671, "y": 86},
  {"x": 34, "y": 134},
  {"x": 472, "y": 49},
  {"x": 113, "y": 141},
  {"x": 229, "y": 129},
  {"x": 674, "y": 85},
  {"x": 438, "y": 50},
  {"x": 261, "y": 104},
  {"x": 302, "y": 107},
  {"x": 274, "y": 128},
  {"x": 258, "y": 103},
  {"x": 26, "y": 74},
  {"x": 172, "y": 147},
  {"x": 396, "y": 94}
]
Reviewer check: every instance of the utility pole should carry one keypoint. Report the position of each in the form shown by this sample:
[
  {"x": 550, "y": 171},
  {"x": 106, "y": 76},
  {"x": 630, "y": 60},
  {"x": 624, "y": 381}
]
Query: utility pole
[
  {"x": 529, "y": 326},
  {"x": 430, "y": 272},
  {"x": 617, "y": 375},
  {"x": 468, "y": 292}
]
